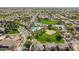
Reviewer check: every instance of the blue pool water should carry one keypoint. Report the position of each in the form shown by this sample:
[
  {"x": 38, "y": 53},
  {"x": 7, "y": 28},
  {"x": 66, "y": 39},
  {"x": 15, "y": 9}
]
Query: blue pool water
[{"x": 34, "y": 28}]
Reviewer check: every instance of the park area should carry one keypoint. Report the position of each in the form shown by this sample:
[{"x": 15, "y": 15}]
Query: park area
[
  {"x": 49, "y": 36},
  {"x": 47, "y": 21}
]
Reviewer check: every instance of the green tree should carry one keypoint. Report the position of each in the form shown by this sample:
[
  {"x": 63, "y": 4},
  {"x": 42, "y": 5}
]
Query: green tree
[
  {"x": 48, "y": 40},
  {"x": 58, "y": 37},
  {"x": 49, "y": 26}
]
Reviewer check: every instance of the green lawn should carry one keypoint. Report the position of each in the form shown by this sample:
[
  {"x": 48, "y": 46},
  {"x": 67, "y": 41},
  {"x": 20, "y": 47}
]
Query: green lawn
[
  {"x": 42, "y": 37},
  {"x": 44, "y": 21}
]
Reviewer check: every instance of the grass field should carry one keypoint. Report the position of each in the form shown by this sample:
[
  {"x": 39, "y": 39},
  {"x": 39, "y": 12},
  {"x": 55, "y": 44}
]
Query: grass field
[
  {"x": 42, "y": 37},
  {"x": 44, "y": 21}
]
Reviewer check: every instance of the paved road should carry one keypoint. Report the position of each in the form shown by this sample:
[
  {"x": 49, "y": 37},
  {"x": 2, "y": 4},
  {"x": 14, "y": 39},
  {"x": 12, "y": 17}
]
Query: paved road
[
  {"x": 34, "y": 18},
  {"x": 25, "y": 34}
]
